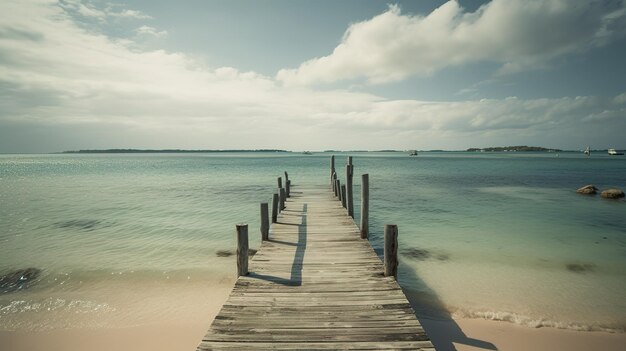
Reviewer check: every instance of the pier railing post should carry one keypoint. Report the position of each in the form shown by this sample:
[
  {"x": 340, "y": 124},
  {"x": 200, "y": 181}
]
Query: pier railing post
[
  {"x": 288, "y": 187},
  {"x": 343, "y": 195},
  {"x": 242, "y": 249},
  {"x": 365, "y": 206},
  {"x": 265, "y": 222},
  {"x": 332, "y": 171},
  {"x": 349, "y": 196},
  {"x": 286, "y": 177},
  {"x": 391, "y": 250},
  {"x": 283, "y": 196},
  {"x": 274, "y": 208},
  {"x": 280, "y": 182},
  {"x": 335, "y": 188}
]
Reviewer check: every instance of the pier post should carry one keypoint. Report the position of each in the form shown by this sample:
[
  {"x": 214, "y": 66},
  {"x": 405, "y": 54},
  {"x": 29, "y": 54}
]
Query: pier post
[
  {"x": 365, "y": 206},
  {"x": 391, "y": 250},
  {"x": 282, "y": 198},
  {"x": 332, "y": 171},
  {"x": 343, "y": 196},
  {"x": 349, "y": 196},
  {"x": 286, "y": 177},
  {"x": 335, "y": 189},
  {"x": 265, "y": 222},
  {"x": 288, "y": 187},
  {"x": 280, "y": 182},
  {"x": 274, "y": 208},
  {"x": 242, "y": 249}
]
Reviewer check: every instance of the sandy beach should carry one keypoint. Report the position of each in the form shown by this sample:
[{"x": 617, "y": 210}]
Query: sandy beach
[
  {"x": 460, "y": 335},
  {"x": 446, "y": 334}
]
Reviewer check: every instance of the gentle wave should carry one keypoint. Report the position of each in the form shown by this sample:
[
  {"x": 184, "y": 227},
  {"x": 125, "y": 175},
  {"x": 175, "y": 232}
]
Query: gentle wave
[{"x": 533, "y": 322}]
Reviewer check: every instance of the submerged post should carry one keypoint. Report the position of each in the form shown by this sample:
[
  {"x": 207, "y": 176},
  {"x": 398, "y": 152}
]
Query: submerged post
[
  {"x": 349, "y": 197},
  {"x": 265, "y": 222},
  {"x": 280, "y": 182},
  {"x": 242, "y": 249},
  {"x": 282, "y": 198},
  {"x": 288, "y": 187},
  {"x": 365, "y": 206},
  {"x": 332, "y": 171},
  {"x": 391, "y": 250},
  {"x": 343, "y": 196},
  {"x": 274, "y": 208}
]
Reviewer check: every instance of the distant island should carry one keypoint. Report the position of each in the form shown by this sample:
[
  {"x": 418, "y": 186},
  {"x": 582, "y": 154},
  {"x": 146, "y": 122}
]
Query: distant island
[
  {"x": 522, "y": 148},
  {"x": 168, "y": 151}
]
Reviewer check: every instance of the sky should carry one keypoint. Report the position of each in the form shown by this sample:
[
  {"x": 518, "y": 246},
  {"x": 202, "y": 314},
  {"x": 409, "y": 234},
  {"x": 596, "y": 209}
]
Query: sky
[{"x": 311, "y": 75}]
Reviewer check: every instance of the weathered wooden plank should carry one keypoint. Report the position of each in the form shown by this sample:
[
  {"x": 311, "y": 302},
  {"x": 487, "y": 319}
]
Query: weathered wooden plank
[{"x": 315, "y": 285}]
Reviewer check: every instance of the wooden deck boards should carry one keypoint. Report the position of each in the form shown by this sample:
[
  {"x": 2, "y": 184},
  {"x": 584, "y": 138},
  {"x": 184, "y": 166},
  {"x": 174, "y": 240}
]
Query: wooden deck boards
[{"x": 315, "y": 285}]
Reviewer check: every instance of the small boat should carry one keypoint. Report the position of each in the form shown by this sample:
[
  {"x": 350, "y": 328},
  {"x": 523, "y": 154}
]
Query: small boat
[
  {"x": 413, "y": 153},
  {"x": 307, "y": 153},
  {"x": 587, "y": 151},
  {"x": 612, "y": 152}
]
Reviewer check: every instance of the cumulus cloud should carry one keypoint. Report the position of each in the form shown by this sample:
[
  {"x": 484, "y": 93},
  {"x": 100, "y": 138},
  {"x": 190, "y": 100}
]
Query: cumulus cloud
[
  {"x": 65, "y": 87},
  {"x": 516, "y": 34}
]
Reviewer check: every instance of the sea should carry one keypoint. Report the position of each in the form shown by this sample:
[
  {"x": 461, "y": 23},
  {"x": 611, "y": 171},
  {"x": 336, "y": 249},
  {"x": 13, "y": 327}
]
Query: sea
[{"x": 114, "y": 240}]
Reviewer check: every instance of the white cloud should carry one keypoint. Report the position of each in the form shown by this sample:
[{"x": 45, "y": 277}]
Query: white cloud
[
  {"x": 517, "y": 34},
  {"x": 86, "y": 9},
  {"x": 130, "y": 14},
  {"x": 59, "y": 77},
  {"x": 151, "y": 31}
]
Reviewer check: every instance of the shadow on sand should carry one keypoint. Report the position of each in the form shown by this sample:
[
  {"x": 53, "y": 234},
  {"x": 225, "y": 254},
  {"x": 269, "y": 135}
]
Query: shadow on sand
[{"x": 295, "y": 278}]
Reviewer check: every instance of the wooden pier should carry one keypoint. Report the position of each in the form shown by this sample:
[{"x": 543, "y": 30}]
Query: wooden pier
[{"x": 315, "y": 284}]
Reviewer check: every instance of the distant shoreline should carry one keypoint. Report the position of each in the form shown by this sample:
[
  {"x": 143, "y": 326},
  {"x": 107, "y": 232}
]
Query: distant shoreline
[
  {"x": 505, "y": 149},
  {"x": 150, "y": 151}
]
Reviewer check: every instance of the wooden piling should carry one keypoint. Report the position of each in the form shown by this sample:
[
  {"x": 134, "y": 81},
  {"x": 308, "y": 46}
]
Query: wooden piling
[
  {"x": 365, "y": 206},
  {"x": 283, "y": 196},
  {"x": 332, "y": 171},
  {"x": 343, "y": 195},
  {"x": 242, "y": 249},
  {"x": 286, "y": 177},
  {"x": 349, "y": 160},
  {"x": 335, "y": 188},
  {"x": 349, "y": 195},
  {"x": 391, "y": 250},
  {"x": 280, "y": 182},
  {"x": 265, "y": 222},
  {"x": 288, "y": 187},
  {"x": 274, "y": 208}
]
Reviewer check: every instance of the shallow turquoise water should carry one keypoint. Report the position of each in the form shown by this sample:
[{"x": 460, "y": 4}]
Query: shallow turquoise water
[{"x": 482, "y": 235}]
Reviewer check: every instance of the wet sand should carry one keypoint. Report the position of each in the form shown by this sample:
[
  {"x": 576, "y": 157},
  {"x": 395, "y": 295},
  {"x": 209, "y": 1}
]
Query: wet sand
[
  {"x": 459, "y": 334},
  {"x": 480, "y": 334},
  {"x": 182, "y": 328}
]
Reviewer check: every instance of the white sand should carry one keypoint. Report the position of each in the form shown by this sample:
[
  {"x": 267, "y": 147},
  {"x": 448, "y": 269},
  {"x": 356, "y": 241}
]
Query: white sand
[
  {"x": 174, "y": 335},
  {"x": 478, "y": 334}
]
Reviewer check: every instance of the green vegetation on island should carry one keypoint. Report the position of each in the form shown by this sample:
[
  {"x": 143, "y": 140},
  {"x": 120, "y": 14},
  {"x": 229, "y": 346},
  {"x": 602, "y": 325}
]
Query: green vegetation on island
[{"x": 522, "y": 148}]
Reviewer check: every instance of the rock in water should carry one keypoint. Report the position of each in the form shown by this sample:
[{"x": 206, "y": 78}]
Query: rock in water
[
  {"x": 612, "y": 194},
  {"x": 587, "y": 189},
  {"x": 18, "y": 279}
]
